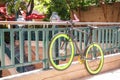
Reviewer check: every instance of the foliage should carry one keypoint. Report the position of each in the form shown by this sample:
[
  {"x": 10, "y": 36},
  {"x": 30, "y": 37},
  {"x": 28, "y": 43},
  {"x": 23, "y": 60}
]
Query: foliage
[
  {"x": 49, "y": 6},
  {"x": 41, "y": 5},
  {"x": 74, "y": 4},
  {"x": 63, "y": 7},
  {"x": 60, "y": 7},
  {"x": 13, "y": 7}
]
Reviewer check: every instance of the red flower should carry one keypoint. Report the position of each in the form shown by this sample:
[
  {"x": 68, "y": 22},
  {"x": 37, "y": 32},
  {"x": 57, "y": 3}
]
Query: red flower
[
  {"x": 10, "y": 17},
  {"x": 3, "y": 10},
  {"x": 35, "y": 16}
]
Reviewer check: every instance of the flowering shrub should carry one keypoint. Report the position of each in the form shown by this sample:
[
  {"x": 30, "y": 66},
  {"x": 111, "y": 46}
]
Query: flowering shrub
[{"x": 35, "y": 16}]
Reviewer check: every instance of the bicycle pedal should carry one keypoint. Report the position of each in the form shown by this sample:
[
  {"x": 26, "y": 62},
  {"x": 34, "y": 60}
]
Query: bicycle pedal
[{"x": 81, "y": 61}]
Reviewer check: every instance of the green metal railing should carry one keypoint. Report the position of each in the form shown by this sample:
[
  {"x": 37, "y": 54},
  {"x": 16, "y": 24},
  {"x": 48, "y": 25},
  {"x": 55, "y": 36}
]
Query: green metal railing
[{"x": 34, "y": 41}]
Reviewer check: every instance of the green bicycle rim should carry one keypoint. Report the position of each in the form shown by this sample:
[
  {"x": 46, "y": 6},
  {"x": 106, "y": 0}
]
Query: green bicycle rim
[
  {"x": 50, "y": 52},
  {"x": 101, "y": 61}
]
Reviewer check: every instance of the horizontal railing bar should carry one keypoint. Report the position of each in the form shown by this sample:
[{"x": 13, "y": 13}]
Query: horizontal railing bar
[
  {"x": 57, "y": 23},
  {"x": 23, "y": 29},
  {"x": 20, "y": 64}
]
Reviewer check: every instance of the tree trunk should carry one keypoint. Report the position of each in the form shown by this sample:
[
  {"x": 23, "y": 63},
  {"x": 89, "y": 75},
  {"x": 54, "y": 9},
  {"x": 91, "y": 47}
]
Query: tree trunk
[{"x": 31, "y": 6}]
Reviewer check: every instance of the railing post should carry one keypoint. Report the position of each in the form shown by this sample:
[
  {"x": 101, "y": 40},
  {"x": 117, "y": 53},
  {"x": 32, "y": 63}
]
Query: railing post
[
  {"x": 12, "y": 47},
  {"x": 37, "y": 46},
  {"x": 56, "y": 44},
  {"x": 80, "y": 40},
  {"x": 103, "y": 38},
  {"x": 85, "y": 38},
  {"x": 2, "y": 49},
  {"x": 0, "y": 55},
  {"x": 110, "y": 32},
  {"x": 94, "y": 36},
  {"x": 0, "y": 70},
  {"x": 29, "y": 47},
  {"x": 45, "y": 48},
  {"x": 106, "y": 38},
  {"x": 119, "y": 39}
]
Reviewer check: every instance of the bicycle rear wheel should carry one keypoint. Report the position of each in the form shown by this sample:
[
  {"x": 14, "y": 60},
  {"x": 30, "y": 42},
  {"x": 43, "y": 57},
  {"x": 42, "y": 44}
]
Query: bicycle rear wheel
[
  {"x": 61, "y": 51},
  {"x": 94, "y": 58}
]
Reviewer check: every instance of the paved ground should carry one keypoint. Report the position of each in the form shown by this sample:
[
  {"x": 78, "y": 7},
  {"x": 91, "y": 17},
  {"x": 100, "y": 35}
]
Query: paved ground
[
  {"x": 110, "y": 75},
  {"x": 74, "y": 72}
]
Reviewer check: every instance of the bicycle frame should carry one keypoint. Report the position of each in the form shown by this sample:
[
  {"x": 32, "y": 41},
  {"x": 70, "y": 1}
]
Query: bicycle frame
[{"x": 89, "y": 37}]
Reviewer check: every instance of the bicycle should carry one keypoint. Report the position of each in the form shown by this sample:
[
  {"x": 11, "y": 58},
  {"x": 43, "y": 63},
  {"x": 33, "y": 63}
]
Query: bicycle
[{"x": 62, "y": 47}]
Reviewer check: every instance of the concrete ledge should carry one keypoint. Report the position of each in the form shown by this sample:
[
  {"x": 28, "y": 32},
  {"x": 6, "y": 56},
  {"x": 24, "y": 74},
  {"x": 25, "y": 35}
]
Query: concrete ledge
[{"x": 73, "y": 72}]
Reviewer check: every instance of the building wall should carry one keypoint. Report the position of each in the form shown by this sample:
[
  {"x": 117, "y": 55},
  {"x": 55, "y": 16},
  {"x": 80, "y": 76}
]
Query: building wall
[{"x": 102, "y": 13}]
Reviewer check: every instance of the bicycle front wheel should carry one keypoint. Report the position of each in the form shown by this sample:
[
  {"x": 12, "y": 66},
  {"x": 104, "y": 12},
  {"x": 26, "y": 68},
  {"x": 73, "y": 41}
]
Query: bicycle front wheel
[
  {"x": 61, "y": 51},
  {"x": 94, "y": 58}
]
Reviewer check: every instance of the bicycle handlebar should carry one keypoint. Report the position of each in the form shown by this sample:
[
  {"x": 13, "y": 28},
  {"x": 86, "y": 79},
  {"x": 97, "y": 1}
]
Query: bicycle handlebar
[{"x": 72, "y": 23}]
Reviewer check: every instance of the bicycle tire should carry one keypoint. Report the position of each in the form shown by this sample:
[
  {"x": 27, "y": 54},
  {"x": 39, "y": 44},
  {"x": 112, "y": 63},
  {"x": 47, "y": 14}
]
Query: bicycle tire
[
  {"x": 98, "y": 55},
  {"x": 61, "y": 37}
]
